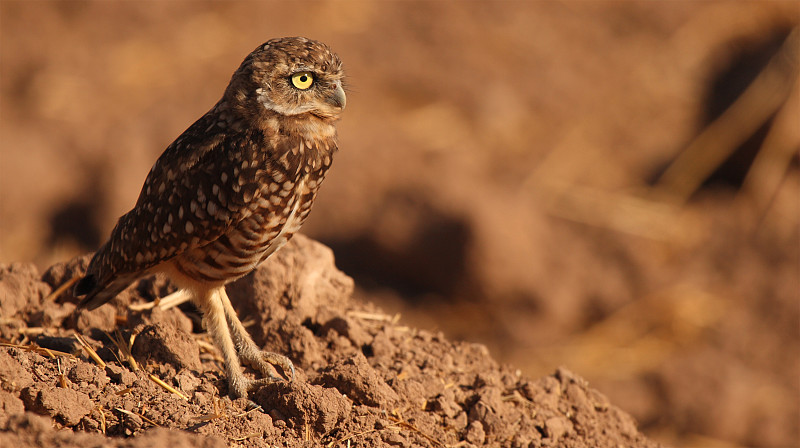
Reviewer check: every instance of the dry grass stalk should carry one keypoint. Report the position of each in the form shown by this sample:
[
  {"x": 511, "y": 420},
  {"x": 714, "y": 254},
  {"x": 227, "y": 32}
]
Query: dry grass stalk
[
  {"x": 400, "y": 421},
  {"x": 349, "y": 437},
  {"x": 380, "y": 317},
  {"x": 209, "y": 349},
  {"x": 90, "y": 351},
  {"x": 167, "y": 387},
  {"x": 623, "y": 213},
  {"x": 770, "y": 165},
  {"x": 37, "y": 349},
  {"x": 217, "y": 413},
  {"x": 137, "y": 414},
  {"x": 762, "y": 98},
  {"x": 255, "y": 409},
  {"x": 124, "y": 348},
  {"x": 245, "y": 437},
  {"x": 60, "y": 290},
  {"x": 62, "y": 380},
  {"x": 638, "y": 337},
  {"x": 48, "y": 352},
  {"x": 125, "y": 391},
  {"x": 142, "y": 306},
  {"x": 103, "y": 425}
]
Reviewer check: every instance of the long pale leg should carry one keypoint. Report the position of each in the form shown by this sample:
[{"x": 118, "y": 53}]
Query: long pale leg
[
  {"x": 249, "y": 352},
  {"x": 214, "y": 319}
]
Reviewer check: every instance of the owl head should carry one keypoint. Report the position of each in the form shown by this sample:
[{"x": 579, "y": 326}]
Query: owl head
[{"x": 289, "y": 76}]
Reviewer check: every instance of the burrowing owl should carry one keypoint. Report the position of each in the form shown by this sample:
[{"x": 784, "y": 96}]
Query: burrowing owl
[{"x": 229, "y": 192}]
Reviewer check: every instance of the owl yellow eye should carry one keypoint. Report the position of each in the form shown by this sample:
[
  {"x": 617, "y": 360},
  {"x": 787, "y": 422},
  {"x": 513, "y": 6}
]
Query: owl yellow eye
[{"x": 302, "y": 80}]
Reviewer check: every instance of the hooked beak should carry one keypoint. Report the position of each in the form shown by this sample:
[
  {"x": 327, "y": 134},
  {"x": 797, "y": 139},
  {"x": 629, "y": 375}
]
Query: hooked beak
[{"x": 337, "y": 97}]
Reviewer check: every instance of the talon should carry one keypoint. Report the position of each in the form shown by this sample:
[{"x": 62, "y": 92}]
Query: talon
[
  {"x": 291, "y": 369},
  {"x": 265, "y": 362},
  {"x": 252, "y": 405}
]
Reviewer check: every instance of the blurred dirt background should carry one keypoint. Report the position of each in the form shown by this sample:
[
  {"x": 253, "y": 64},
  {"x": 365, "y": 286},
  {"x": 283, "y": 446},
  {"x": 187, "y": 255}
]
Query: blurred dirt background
[{"x": 610, "y": 186}]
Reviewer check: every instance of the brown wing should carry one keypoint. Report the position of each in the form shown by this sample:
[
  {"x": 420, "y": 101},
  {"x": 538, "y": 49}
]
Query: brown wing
[{"x": 199, "y": 187}]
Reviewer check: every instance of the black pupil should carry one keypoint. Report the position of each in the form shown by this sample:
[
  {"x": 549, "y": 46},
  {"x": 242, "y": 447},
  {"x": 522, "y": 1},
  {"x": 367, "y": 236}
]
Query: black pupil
[{"x": 303, "y": 78}]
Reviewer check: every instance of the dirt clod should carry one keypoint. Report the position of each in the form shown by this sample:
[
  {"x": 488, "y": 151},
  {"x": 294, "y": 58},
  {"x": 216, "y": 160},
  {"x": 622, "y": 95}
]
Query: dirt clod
[
  {"x": 9, "y": 405},
  {"x": 162, "y": 343},
  {"x": 475, "y": 433},
  {"x": 120, "y": 375},
  {"x": 354, "y": 377},
  {"x": 13, "y": 376},
  {"x": 65, "y": 405},
  {"x": 301, "y": 403}
]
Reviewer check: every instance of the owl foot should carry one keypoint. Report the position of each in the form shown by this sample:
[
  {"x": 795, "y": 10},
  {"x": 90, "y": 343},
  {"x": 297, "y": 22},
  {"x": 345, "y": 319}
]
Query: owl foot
[
  {"x": 237, "y": 346},
  {"x": 265, "y": 362},
  {"x": 240, "y": 386}
]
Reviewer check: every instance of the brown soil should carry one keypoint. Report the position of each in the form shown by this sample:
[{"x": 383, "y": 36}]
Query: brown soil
[
  {"x": 497, "y": 180},
  {"x": 362, "y": 380}
]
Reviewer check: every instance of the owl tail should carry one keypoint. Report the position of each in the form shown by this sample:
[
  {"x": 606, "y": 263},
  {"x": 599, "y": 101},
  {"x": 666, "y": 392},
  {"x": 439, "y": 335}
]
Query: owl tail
[
  {"x": 97, "y": 294},
  {"x": 98, "y": 286}
]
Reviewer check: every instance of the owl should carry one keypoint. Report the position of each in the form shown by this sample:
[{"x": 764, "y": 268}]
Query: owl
[{"x": 229, "y": 192}]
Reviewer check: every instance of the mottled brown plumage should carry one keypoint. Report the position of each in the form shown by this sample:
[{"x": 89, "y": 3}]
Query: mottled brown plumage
[{"x": 230, "y": 191}]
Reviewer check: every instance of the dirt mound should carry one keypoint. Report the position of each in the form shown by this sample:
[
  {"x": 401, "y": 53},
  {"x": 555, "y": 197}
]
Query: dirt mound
[{"x": 363, "y": 379}]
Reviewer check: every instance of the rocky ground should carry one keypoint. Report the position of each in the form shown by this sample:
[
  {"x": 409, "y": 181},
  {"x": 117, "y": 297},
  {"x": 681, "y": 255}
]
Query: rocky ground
[{"x": 363, "y": 379}]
